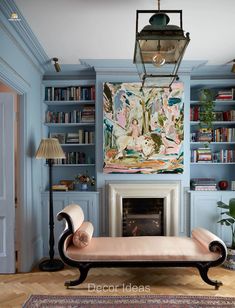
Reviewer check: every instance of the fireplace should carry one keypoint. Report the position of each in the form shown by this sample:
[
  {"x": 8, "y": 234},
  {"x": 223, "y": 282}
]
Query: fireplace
[
  {"x": 142, "y": 216},
  {"x": 160, "y": 219}
]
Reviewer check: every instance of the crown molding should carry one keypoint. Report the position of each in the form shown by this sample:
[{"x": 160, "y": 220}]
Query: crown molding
[
  {"x": 127, "y": 67},
  {"x": 23, "y": 35}
]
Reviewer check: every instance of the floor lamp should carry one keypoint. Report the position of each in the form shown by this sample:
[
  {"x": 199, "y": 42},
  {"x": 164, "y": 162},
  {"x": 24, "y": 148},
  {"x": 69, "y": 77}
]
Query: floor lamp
[{"x": 50, "y": 149}]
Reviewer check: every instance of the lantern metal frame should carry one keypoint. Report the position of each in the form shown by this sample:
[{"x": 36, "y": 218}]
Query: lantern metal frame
[{"x": 163, "y": 33}]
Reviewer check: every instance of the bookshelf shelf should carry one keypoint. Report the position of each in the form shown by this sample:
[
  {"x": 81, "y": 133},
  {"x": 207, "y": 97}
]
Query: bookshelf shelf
[
  {"x": 68, "y": 124},
  {"x": 211, "y": 163},
  {"x": 215, "y": 122},
  {"x": 213, "y": 142},
  {"x": 216, "y": 102},
  {"x": 70, "y": 103},
  {"x": 77, "y": 144},
  {"x": 73, "y": 165}
]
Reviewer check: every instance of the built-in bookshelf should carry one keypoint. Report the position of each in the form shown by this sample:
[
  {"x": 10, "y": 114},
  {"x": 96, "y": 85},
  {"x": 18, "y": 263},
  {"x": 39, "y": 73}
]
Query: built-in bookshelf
[
  {"x": 69, "y": 116},
  {"x": 213, "y": 150}
]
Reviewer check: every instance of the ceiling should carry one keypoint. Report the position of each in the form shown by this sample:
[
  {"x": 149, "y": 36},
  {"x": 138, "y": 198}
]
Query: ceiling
[{"x": 105, "y": 29}]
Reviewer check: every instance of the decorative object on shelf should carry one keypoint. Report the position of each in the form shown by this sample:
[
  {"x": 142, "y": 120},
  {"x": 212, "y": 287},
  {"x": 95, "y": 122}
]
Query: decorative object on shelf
[
  {"x": 230, "y": 222},
  {"x": 159, "y": 44},
  {"x": 59, "y": 187},
  {"x": 203, "y": 184},
  {"x": 143, "y": 129},
  {"x": 56, "y": 65},
  {"x": 206, "y": 113},
  {"x": 223, "y": 185},
  {"x": 50, "y": 149},
  {"x": 84, "y": 180},
  {"x": 68, "y": 183}
]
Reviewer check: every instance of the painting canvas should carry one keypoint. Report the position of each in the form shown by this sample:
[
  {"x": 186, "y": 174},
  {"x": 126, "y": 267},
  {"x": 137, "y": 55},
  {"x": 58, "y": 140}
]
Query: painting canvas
[{"x": 143, "y": 129}]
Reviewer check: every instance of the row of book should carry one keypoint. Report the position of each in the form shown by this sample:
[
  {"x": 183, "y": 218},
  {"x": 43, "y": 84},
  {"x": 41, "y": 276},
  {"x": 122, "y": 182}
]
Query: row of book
[
  {"x": 80, "y": 137},
  {"x": 224, "y": 134},
  {"x": 70, "y": 93},
  {"x": 228, "y": 115},
  {"x": 207, "y": 156},
  {"x": 221, "y": 134},
  {"x": 62, "y": 117},
  {"x": 75, "y": 116},
  {"x": 88, "y": 114},
  {"x": 74, "y": 158},
  {"x": 203, "y": 184},
  {"x": 225, "y": 94}
]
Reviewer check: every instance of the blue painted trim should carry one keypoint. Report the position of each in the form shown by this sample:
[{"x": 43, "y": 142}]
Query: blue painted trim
[
  {"x": 10, "y": 77},
  {"x": 31, "y": 45}
]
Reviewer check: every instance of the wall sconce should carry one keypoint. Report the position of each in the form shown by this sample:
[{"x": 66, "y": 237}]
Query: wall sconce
[
  {"x": 233, "y": 67},
  {"x": 56, "y": 64}
]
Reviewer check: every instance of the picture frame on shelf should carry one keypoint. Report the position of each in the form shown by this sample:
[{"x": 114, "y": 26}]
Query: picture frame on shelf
[
  {"x": 59, "y": 136},
  {"x": 72, "y": 138}
]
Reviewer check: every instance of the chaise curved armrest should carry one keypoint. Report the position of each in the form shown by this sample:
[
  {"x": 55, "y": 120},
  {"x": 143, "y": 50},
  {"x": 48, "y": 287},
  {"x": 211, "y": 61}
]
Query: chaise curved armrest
[
  {"x": 212, "y": 242},
  {"x": 74, "y": 217}
]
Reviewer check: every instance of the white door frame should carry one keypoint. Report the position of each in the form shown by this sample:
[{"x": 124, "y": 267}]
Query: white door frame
[{"x": 18, "y": 84}]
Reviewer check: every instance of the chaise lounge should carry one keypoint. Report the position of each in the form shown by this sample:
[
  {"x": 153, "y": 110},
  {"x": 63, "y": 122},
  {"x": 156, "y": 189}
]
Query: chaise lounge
[{"x": 203, "y": 250}]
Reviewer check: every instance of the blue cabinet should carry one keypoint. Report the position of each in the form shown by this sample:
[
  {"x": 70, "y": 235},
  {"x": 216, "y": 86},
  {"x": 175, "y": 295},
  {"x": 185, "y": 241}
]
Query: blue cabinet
[
  {"x": 89, "y": 202},
  {"x": 205, "y": 213}
]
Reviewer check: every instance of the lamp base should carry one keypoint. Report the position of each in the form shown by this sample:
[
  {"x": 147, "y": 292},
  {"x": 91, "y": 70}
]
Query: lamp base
[{"x": 51, "y": 265}]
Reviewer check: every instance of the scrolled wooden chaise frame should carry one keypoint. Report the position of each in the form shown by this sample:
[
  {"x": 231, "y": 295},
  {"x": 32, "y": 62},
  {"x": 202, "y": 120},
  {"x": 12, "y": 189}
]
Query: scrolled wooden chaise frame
[{"x": 213, "y": 255}]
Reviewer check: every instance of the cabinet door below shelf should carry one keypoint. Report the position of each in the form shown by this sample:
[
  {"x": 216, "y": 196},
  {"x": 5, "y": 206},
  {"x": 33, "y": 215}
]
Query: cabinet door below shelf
[
  {"x": 88, "y": 202},
  {"x": 204, "y": 212}
]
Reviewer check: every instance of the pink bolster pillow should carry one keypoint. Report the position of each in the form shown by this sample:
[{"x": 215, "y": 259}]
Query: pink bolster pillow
[{"x": 83, "y": 235}]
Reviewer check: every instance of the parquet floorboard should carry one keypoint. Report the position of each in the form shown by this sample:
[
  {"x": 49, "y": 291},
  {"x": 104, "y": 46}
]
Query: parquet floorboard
[{"x": 16, "y": 288}]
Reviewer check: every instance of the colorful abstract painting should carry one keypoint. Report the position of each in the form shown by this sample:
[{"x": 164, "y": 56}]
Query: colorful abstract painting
[{"x": 143, "y": 129}]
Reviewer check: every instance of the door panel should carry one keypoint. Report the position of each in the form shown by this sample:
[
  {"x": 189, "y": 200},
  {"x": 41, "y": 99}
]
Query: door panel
[{"x": 7, "y": 206}]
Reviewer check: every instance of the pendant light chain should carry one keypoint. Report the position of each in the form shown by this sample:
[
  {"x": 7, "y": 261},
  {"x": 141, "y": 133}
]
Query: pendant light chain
[{"x": 158, "y": 5}]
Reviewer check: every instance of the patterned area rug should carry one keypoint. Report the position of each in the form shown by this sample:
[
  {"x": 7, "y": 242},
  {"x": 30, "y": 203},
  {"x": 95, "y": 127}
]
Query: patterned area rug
[{"x": 149, "y": 301}]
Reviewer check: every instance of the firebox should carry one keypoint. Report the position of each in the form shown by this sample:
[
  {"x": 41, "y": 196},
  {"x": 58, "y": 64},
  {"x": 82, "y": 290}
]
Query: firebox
[{"x": 143, "y": 217}]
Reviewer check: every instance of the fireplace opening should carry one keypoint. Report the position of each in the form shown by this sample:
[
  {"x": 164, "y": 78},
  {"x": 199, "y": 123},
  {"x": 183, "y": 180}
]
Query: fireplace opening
[{"x": 143, "y": 216}]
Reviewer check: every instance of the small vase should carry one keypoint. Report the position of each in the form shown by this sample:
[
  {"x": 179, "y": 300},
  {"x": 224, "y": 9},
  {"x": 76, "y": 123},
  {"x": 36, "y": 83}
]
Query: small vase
[
  {"x": 84, "y": 186},
  {"x": 223, "y": 185}
]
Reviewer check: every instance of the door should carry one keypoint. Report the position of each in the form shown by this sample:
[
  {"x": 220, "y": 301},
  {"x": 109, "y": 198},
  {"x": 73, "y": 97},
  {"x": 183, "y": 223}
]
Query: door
[{"x": 7, "y": 203}]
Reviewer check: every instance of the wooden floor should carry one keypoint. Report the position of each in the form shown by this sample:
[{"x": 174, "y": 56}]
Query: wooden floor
[{"x": 15, "y": 289}]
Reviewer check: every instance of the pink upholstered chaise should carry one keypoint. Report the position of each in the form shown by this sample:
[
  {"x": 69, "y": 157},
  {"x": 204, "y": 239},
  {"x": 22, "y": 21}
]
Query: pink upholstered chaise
[{"x": 203, "y": 250}]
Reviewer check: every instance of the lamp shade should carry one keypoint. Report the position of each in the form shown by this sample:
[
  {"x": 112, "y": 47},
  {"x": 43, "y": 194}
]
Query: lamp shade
[{"x": 50, "y": 148}]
